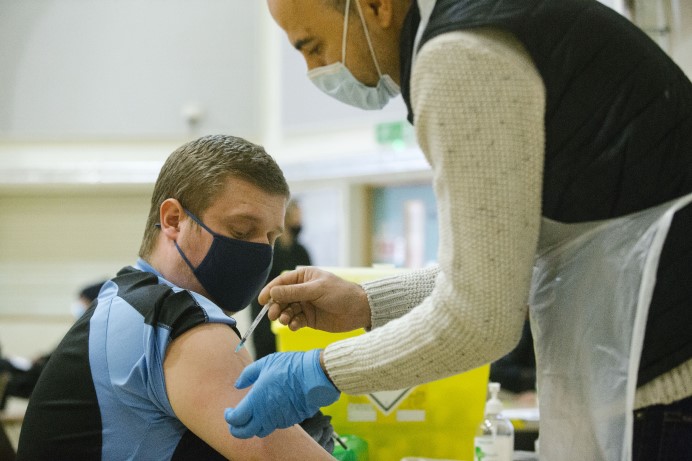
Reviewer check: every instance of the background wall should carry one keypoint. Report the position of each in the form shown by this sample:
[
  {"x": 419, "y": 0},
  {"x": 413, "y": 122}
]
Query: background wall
[
  {"x": 53, "y": 243},
  {"x": 128, "y": 69}
]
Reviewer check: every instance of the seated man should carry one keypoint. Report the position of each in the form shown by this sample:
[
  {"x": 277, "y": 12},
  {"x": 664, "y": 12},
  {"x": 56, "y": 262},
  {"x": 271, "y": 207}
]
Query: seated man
[{"x": 148, "y": 370}]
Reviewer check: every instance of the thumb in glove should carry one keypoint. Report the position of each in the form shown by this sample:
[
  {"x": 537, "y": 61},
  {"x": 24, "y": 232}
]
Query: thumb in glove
[{"x": 287, "y": 388}]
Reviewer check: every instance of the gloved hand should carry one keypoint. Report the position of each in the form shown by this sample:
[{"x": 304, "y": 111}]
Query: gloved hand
[
  {"x": 319, "y": 427},
  {"x": 289, "y": 387}
]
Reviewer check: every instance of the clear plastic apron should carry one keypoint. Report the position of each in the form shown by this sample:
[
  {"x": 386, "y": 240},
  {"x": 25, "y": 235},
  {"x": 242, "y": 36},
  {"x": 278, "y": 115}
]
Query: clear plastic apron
[{"x": 591, "y": 290}]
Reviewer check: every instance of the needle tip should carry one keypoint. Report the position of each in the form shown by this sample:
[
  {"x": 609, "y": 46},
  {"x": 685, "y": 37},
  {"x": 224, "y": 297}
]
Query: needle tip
[{"x": 239, "y": 346}]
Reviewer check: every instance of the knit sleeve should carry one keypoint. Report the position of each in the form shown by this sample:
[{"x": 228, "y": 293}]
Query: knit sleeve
[
  {"x": 392, "y": 297},
  {"x": 478, "y": 103}
]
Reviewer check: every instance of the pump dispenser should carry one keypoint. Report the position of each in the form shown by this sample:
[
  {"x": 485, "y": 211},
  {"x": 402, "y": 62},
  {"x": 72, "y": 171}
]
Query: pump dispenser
[{"x": 494, "y": 439}]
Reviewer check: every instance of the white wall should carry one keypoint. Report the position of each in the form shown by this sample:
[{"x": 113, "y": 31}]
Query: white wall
[{"x": 125, "y": 69}]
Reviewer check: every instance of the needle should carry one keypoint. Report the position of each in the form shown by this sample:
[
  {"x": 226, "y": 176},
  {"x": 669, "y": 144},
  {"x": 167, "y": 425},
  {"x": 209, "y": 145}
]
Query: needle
[{"x": 253, "y": 326}]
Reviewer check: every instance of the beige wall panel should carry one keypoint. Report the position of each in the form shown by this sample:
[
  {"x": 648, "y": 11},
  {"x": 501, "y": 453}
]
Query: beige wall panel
[{"x": 52, "y": 243}]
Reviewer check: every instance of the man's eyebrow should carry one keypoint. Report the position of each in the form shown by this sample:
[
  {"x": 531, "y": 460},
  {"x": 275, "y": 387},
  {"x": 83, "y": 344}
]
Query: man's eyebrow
[
  {"x": 299, "y": 44},
  {"x": 229, "y": 221}
]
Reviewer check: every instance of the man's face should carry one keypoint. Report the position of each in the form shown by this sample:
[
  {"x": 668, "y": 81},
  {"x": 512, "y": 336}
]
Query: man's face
[
  {"x": 241, "y": 211},
  {"x": 315, "y": 29}
]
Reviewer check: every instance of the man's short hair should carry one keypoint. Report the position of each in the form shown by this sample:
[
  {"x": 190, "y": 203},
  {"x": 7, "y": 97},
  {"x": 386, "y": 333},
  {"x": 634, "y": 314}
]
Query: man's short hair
[{"x": 197, "y": 171}]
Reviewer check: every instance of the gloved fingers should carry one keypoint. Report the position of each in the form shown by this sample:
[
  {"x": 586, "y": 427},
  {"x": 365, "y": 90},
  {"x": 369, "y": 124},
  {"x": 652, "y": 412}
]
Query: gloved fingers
[
  {"x": 328, "y": 443},
  {"x": 259, "y": 424},
  {"x": 263, "y": 432},
  {"x": 247, "y": 431},
  {"x": 250, "y": 374},
  {"x": 243, "y": 424},
  {"x": 319, "y": 427},
  {"x": 241, "y": 414}
]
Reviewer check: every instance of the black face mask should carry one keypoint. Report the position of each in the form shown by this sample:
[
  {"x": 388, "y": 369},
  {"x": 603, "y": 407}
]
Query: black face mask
[{"x": 233, "y": 271}]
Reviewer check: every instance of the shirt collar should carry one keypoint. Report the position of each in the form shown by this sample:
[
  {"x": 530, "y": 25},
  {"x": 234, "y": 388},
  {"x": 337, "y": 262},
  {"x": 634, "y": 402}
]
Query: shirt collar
[{"x": 146, "y": 267}]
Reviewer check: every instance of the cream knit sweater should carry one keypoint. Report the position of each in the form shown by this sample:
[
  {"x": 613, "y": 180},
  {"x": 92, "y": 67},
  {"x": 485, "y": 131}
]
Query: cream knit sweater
[
  {"x": 470, "y": 309},
  {"x": 489, "y": 205}
]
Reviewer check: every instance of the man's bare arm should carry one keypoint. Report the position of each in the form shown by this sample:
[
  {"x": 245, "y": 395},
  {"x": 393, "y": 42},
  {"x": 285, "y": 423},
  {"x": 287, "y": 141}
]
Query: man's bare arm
[{"x": 200, "y": 369}]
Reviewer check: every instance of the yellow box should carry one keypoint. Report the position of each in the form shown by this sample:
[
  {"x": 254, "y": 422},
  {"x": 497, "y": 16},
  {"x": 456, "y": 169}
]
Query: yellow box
[{"x": 436, "y": 420}]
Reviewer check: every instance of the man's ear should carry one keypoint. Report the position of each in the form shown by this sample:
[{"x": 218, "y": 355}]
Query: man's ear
[
  {"x": 381, "y": 11},
  {"x": 171, "y": 212}
]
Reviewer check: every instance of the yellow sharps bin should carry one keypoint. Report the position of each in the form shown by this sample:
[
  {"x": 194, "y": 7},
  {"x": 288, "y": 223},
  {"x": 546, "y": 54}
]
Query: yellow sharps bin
[{"x": 434, "y": 420}]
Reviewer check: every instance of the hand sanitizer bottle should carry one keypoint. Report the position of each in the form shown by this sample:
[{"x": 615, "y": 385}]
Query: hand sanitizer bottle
[{"x": 494, "y": 439}]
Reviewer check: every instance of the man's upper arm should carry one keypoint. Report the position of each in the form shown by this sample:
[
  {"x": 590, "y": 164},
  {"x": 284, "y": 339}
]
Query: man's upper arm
[{"x": 200, "y": 369}]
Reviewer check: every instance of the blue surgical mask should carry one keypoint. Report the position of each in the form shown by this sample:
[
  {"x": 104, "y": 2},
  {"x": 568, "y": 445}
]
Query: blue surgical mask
[
  {"x": 337, "y": 81},
  {"x": 233, "y": 271}
]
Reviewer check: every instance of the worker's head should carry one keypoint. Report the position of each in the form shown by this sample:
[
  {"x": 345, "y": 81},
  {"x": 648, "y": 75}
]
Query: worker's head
[
  {"x": 217, "y": 208},
  {"x": 370, "y": 51}
]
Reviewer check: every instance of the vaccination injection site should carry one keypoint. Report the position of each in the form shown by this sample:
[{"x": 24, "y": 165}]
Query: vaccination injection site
[{"x": 354, "y": 230}]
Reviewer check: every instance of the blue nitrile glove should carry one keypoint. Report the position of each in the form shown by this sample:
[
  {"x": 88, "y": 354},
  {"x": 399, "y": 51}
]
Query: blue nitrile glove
[{"x": 289, "y": 387}]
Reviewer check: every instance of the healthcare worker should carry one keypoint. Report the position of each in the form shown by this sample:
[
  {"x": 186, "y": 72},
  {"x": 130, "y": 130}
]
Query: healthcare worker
[{"x": 560, "y": 140}]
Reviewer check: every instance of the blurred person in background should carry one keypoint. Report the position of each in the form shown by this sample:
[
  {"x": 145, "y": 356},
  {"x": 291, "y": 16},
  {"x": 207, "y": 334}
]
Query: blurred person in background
[
  {"x": 289, "y": 253},
  {"x": 22, "y": 380},
  {"x": 85, "y": 298}
]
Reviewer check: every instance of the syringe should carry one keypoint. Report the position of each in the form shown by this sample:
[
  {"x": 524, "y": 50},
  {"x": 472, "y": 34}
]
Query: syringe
[{"x": 253, "y": 326}]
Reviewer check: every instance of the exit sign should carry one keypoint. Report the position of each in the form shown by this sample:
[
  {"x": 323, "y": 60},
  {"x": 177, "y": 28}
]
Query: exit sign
[{"x": 398, "y": 134}]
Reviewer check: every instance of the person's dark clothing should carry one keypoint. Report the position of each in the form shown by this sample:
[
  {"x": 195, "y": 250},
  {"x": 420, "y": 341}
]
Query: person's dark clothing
[
  {"x": 21, "y": 382},
  {"x": 516, "y": 371},
  {"x": 285, "y": 258},
  {"x": 663, "y": 432}
]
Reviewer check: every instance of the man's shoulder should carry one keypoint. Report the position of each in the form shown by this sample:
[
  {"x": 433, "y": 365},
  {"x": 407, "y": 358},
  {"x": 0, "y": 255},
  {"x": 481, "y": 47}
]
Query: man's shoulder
[
  {"x": 130, "y": 278},
  {"x": 139, "y": 287},
  {"x": 163, "y": 305},
  {"x": 159, "y": 303}
]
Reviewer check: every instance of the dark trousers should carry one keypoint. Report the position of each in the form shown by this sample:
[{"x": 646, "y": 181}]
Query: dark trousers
[{"x": 663, "y": 432}]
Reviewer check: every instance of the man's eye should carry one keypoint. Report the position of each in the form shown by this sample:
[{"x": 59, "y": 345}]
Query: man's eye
[
  {"x": 314, "y": 50},
  {"x": 238, "y": 235}
]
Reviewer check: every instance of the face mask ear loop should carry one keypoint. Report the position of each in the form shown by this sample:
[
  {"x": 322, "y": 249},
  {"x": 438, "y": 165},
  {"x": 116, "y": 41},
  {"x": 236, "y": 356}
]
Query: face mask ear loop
[
  {"x": 187, "y": 261},
  {"x": 343, "y": 38},
  {"x": 199, "y": 221},
  {"x": 367, "y": 37}
]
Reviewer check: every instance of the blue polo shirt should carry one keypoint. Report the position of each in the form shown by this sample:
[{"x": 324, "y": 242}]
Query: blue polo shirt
[{"x": 102, "y": 394}]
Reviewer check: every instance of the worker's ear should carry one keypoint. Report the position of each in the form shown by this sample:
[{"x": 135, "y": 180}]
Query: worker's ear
[
  {"x": 171, "y": 212},
  {"x": 379, "y": 10}
]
